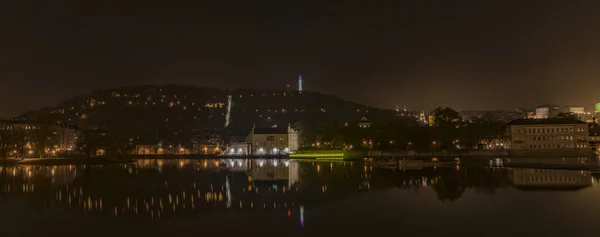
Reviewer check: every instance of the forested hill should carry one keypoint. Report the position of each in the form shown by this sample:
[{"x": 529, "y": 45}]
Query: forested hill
[{"x": 157, "y": 112}]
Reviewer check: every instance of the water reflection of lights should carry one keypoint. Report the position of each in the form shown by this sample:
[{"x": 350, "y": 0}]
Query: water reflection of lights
[
  {"x": 190, "y": 196},
  {"x": 228, "y": 188},
  {"x": 261, "y": 163},
  {"x": 302, "y": 216}
]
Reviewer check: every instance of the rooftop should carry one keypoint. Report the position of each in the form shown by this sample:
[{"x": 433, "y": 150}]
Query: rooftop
[
  {"x": 545, "y": 121},
  {"x": 272, "y": 130}
]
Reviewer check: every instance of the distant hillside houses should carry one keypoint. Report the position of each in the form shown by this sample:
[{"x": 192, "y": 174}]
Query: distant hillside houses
[{"x": 177, "y": 115}]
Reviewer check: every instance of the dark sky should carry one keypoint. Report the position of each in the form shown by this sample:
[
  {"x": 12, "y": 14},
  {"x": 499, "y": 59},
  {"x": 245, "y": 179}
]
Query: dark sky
[{"x": 422, "y": 53}]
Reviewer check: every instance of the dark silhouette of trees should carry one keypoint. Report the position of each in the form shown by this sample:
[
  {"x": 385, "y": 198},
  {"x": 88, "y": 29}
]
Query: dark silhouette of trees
[
  {"x": 7, "y": 140},
  {"x": 448, "y": 133},
  {"x": 447, "y": 117},
  {"x": 90, "y": 141}
]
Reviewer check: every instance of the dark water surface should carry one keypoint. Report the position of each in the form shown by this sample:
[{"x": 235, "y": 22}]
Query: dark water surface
[{"x": 291, "y": 198}]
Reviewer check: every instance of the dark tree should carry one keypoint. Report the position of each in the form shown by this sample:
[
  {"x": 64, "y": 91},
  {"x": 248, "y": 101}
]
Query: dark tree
[{"x": 90, "y": 141}]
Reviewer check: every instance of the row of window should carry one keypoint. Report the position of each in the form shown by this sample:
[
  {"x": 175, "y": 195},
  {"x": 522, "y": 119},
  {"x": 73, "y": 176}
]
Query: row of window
[
  {"x": 552, "y": 146},
  {"x": 26, "y": 128},
  {"x": 272, "y": 138},
  {"x": 548, "y": 171},
  {"x": 550, "y": 130},
  {"x": 549, "y": 179},
  {"x": 554, "y": 138}
]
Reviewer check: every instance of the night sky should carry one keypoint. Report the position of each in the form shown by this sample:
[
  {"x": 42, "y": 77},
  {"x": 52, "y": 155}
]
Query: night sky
[{"x": 423, "y": 53}]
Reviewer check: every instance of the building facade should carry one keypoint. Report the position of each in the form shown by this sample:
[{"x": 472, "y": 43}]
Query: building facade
[
  {"x": 431, "y": 120},
  {"x": 364, "y": 123},
  {"x": 33, "y": 139},
  {"x": 544, "y": 112},
  {"x": 594, "y": 136},
  {"x": 274, "y": 140},
  {"x": 206, "y": 149},
  {"x": 65, "y": 138},
  {"x": 551, "y": 111},
  {"x": 238, "y": 143},
  {"x": 552, "y": 137}
]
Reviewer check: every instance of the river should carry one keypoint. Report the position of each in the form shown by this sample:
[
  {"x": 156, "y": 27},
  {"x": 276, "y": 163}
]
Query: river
[{"x": 237, "y": 197}]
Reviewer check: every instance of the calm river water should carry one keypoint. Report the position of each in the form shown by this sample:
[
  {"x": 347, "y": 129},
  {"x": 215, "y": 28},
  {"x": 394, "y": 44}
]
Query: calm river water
[{"x": 293, "y": 198}]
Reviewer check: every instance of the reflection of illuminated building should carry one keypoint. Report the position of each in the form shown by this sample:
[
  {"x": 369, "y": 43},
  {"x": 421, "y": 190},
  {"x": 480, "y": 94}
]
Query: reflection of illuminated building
[
  {"x": 179, "y": 188},
  {"x": 157, "y": 188},
  {"x": 274, "y": 170},
  {"x": 549, "y": 178}
]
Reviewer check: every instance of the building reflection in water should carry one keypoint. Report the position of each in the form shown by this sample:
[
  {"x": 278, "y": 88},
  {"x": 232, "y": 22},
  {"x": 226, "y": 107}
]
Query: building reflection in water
[
  {"x": 158, "y": 188},
  {"x": 530, "y": 178},
  {"x": 173, "y": 188}
]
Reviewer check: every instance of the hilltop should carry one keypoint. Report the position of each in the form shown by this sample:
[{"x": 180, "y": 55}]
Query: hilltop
[{"x": 150, "y": 113}]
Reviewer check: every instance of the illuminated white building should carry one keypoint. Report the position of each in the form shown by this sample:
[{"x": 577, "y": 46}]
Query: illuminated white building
[
  {"x": 552, "y": 137},
  {"x": 577, "y": 110},
  {"x": 274, "y": 140},
  {"x": 542, "y": 112},
  {"x": 364, "y": 123}
]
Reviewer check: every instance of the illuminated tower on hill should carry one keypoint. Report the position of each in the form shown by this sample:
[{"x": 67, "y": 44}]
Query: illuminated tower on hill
[{"x": 299, "y": 83}]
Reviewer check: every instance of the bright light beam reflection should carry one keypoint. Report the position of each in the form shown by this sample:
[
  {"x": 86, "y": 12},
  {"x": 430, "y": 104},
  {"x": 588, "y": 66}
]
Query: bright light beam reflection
[
  {"x": 228, "y": 192},
  {"x": 302, "y": 215}
]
